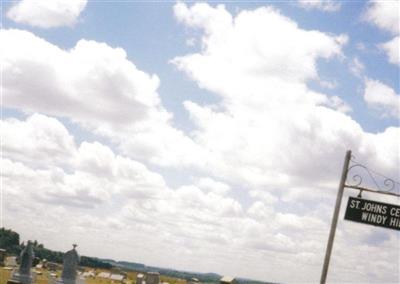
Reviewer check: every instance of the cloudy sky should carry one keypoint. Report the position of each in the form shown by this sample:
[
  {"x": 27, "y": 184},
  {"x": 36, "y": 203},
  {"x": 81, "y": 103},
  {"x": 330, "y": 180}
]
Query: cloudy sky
[{"x": 200, "y": 136}]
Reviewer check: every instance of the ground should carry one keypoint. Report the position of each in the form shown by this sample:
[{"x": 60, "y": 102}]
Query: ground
[{"x": 43, "y": 278}]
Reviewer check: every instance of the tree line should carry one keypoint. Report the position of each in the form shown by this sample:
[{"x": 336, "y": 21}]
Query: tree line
[{"x": 10, "y": 241}]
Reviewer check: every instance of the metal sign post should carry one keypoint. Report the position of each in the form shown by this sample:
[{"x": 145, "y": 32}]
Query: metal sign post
[
  {"x": 362, "y": 210},
  {"x": 335, "y": 217}
]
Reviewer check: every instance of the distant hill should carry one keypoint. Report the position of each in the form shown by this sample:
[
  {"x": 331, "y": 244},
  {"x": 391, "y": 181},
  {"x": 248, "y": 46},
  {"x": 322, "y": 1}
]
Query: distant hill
[
  {"x": 139, "y": 267},
  {"x": 127, "y": 265},
  {"x": 9, "y": 240},
  {"x": 203, "y": 277}
]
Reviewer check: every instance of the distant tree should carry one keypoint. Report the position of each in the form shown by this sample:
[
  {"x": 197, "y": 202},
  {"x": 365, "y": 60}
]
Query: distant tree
[
  {"x": 36, "y": 261},
  {"x": 9, "y": 240},
  {"x": 94, "y": 262},
  {"x": 50, "y": 255}
]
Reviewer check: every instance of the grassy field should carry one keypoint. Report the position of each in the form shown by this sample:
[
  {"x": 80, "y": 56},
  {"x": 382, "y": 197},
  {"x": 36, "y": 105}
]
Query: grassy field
[
  {"x": 44, "y": 277},
  {"x": 5, "y": 275}
]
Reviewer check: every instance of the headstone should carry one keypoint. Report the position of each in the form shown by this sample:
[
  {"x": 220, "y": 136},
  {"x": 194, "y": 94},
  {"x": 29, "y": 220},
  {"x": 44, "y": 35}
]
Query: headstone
[
  {"x": 140, "y": 278},
  {"x": 3, "y": 254},
  {"x": 24, "y": 272},
  {"x": 194, "y": 280},
  {"x": 227, "y": 280},
  {"x": 52, "y": 266},
  {"x": 26, "y": 259},
  {"x": 10, "y": 261},
  {"x": 153, "y": 278},
  {"x": 70, "y": 266}
]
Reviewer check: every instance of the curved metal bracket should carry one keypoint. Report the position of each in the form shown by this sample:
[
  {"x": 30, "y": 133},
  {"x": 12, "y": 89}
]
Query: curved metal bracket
[{"x": 357, "y": 179}]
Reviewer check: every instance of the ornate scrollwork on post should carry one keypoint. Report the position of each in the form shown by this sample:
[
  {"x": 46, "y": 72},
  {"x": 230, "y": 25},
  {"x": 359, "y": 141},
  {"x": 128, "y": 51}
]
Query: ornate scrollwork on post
[{"x": 362, "y": 178}]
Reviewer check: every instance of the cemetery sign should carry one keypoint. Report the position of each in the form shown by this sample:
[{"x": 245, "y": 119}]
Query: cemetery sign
[
  {"x": 373, "y": 213},
  {"x": 362, "y": 210}
]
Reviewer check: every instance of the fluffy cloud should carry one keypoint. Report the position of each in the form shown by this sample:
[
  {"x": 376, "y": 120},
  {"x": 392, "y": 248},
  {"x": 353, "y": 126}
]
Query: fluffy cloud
[
  {"x": 39, "y": 139},
  {"x": 157, "y": 142},
  {"x": 92, "y": 82},
  {"x": 284, "y": 131},
  {"x": 52, "y": 186},
  {"x": 266, "y": 104},
  {"x": 39, "y": 153},
  {"x": 252, "y": 195},
  {"x": 382, "y": 97},
  {"x": 323, "y": 5},
  {"x": 211, "y": 185},
  {"x": 93, "y": 181},
  {"x": 95, "y": 189},
  {"x": 356, "y": 67},
  {"x": 392, "y": 50},
  {"x": 384, "y": 15},
  {"x": 253, "y": 48},
  {"x": 98, "y": 87},
  {"x": 47, "y": 13}
]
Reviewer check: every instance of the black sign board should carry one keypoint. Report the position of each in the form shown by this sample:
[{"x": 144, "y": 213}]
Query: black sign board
[{"x": 373, "y": 213}]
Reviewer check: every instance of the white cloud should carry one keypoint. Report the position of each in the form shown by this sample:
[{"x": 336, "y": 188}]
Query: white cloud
[
  {"x": 92, "y": 82},
  {"x": 323, "y": 5},
  {"x": 47, "y": 13},
  {"x": 378, "y": 146},
  {"x": 157, "y": 142},
  {"x": 210, "y": 185},
  {"x": 328, "y": 84},
  {"x": 267, "y": 138},
  {"x": 266, "y": 105},
  {"x": 338, "y": 104},
  {"x": 40, "y": 153},
  {"x": 39, "y": 139},
  {"x": 264, "y": 196},
  {"x": 98, "y": 87},
  {"x": 53, "y": 186},
  {"x": 115, "y": 199},
  {"x": 311, "y": 128},
  {"x": 96, "y": 190},
  {"x": 392, "y": 50},
  {"x": 356, "y": 67},
  {"x": 384, "y": 15},
  {"x": 253, "y": 47},
  {"x": 270, "y": 136},
  {"x": 382, "y": 97}
]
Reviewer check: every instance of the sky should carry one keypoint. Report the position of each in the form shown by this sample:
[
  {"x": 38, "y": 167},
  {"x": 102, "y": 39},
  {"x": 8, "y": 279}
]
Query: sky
[{"x": 201, "y": 136}]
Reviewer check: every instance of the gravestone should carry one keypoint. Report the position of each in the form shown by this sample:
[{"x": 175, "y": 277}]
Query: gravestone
[
  {"x": 3, "y": 254},
  {"x": 10, "y": 261},
  {"x": 26, "y": 259},
  {"x": 13, "y": 281},
  {"x": 70, "y": 266},
  {"x": 153, "y": 278},
  {"x": 24, "y": 272},
  {"x": 140, "y": 279}
]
